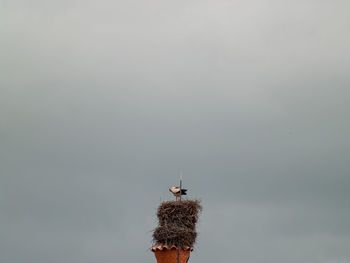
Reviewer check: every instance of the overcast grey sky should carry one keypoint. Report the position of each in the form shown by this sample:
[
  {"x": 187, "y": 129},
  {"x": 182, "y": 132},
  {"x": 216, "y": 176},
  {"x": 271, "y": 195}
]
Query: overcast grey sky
[{"x": 103, "y": 103}]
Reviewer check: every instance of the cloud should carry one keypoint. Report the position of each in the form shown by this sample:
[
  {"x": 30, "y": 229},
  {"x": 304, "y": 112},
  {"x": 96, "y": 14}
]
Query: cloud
[{"x": 103, "y": 103}]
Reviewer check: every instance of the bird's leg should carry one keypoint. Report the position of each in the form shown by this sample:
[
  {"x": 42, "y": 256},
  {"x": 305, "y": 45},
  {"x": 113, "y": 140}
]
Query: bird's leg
[{"x": 177, "y": 198}]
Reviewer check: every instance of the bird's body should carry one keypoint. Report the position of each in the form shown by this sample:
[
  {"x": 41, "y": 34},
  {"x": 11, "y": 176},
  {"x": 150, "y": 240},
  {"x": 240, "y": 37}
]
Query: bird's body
[{"x": 177, "y": 192}]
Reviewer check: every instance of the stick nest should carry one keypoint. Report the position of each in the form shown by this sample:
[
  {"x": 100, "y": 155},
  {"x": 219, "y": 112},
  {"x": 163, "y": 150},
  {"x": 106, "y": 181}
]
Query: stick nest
[
  {"x": 177, "y": 222},
  {"x": 172, "y": 234}
]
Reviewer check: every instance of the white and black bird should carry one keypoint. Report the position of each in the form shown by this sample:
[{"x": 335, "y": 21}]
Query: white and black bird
[{"x": 177, "y": 191}]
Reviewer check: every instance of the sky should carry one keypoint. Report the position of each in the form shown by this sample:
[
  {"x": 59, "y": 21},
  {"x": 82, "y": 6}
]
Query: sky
[{"x": 103, "y": 104}]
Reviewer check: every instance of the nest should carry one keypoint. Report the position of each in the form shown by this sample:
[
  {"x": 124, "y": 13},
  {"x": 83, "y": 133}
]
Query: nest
[
  {"x": 182, "y": 214},
  {"x": 174, "y": 235},
  {"x": 177, "y": 222}
]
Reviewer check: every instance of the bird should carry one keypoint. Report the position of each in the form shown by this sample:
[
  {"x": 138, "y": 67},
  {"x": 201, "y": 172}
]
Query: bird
[{"x": 177, "y": 192}]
